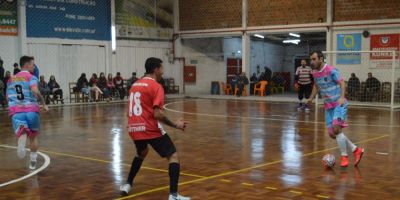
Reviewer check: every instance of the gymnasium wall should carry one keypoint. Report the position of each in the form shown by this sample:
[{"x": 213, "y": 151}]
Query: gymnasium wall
[
  {"x": 356, "y": 10},
  {"x": 9, "y": 51}
]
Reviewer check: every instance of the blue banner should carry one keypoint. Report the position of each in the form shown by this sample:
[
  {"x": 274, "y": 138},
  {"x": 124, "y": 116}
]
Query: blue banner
[
  {"x": 348, "y": 42},
  {"x": 69, "y": 19}
]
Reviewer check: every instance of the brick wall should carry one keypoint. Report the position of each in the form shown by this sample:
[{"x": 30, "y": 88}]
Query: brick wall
[
  {"x": 210, "y": 14},
  {"x": 354, "y": 10},
  {"x": 282, "y": 12}
]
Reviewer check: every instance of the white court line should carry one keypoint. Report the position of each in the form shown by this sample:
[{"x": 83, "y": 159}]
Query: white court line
[
  {"x": 44, "y": 166},
  {"x": 263, "y": 118}
]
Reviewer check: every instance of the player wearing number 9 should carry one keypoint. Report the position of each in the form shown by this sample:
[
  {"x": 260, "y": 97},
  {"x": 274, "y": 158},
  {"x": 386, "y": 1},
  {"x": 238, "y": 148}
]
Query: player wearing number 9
[
  {"x": 146, "y": 110},
  {"x": 23, "y": 96}
]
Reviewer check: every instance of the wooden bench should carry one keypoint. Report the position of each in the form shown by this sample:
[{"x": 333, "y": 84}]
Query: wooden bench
[{"x": 77, "y": 96}]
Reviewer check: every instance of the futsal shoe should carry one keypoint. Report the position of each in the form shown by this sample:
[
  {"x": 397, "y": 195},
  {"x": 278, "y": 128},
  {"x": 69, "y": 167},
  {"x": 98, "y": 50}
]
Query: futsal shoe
[
  {"x": 125, "y": 188},
  {"x": 306, "y": 108},
  {"x": 344, "y": 161},
  {"x": 358, "y": 153},
  {"x": 32, "y": 165},
  {"x": 178, "y": 197},
  {"x": 300, "y": 107},
  {"x": 21, "y": 146}
]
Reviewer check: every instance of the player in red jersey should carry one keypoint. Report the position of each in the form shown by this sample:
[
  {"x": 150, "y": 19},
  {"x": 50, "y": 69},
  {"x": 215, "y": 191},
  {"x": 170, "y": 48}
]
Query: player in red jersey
[{"x": 146, "y": 102}]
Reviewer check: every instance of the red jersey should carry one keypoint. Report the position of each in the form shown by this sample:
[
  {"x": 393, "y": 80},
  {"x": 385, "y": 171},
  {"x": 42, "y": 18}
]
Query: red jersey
[{"x": 144, "y": 95}]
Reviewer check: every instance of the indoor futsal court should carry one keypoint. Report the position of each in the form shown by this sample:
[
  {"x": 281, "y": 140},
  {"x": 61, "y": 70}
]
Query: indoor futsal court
[{"x": 192, "y": 99}]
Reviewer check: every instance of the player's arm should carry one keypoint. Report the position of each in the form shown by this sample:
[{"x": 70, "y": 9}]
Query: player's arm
[
  {"x": 342, "y": 85},
  {"x": 313, "y": 93},
  {"x": 39, "y": 97},
  {"x": 161, "y": 117}
]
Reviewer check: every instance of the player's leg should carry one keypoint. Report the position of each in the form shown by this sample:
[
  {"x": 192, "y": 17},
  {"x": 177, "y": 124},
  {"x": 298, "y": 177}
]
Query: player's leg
[
  {"x": 339, "y": 122},
  {"x": 141, "y": 152},
  {"x": 300, "y": 96},
  {"x": 166, "y": 149},
  {"x": 307, "y": 94},
  {"x": 20, "y": 124},
  {"x": 33, "y": 132}
]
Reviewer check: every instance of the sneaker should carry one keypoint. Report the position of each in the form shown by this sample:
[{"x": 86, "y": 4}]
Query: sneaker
[
  {"x": 125, "y": 188},
  {"x": 32, "y": 165},
  {"x": 306, "y": 108},
  {"x": 345, "y": 161},
  {"x": 358, "y": 153},
  {"x": 179, "y": 197},
  {"x": 21, "y": 146},
  {"x": 300, "y": 107}
]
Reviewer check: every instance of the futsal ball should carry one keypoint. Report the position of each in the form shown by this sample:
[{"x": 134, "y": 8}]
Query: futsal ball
[{"x": 328, "y": 160}]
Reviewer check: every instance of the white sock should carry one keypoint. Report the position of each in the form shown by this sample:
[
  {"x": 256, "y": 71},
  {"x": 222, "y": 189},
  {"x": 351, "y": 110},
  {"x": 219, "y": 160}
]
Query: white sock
[
  {"x": 33, "y": 156},
  {"x": 341, "y": 140},
  {"x": 351, "y": 144}
]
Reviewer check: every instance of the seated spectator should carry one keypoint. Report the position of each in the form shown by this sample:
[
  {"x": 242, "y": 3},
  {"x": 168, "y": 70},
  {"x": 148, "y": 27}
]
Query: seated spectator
[
  {"x": 102, "y": 84},
  {"x": 372, "y": 86},
  {"x": 261, "y": 77},
  {"x": 94, "y": 88},
  {"x": 277, "y": 80},
  {"x": 234, "y": 82},
  {"x": 2, "y": 95},
  {"x": 82, "y": 85},
  {"x": 55, "y": 90},
  {"x": 132, "y": 80},
  {"x": 1, "y": 70},
  {"x": 16, "y": 68},
  {"x": 110, "y": 85},
  {"x": 44, "y": 89},
  {"x": 353, "y": 86},
  {"x": 242, "y": 82},
  {"x": 119, "y": 85},
  {"x": 253, "y": 79}
]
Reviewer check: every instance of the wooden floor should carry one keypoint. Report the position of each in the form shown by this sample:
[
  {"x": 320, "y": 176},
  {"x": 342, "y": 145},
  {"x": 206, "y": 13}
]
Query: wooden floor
[{"x": 231, "y": 150}]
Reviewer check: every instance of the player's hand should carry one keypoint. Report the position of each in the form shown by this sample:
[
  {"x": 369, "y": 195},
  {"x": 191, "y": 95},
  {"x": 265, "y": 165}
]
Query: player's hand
[
  {"x": 181, "y": 124},
  {"x": 309, "y": 102},
  {"x": 46, "y": 108},
  {"x": 341, "y": 101}
]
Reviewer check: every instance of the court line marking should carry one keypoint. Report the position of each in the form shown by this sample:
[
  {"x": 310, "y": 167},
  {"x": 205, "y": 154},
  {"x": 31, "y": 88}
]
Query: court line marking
[
  {"x": 244, "y": 169},
  {"x": 247, "y": 184},
  {"x": 44, "y": 166},
  {"x": 110, "y": 162},
  {"x": 264, "y": 118}
]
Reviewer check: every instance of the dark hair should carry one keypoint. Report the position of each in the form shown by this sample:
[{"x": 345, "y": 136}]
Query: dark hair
[
  {"x": 15, "y": 64},
  {"x": 319, "y": 54},
  {"x": 151, "y": 64},
  {"x": 25, "y": 59},
  {"x": 83, "y": 75},
  {"x": 118, "y": 74}
]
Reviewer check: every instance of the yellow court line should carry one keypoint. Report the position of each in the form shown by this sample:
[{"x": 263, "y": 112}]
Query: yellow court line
[
  {"x": 226, "y": 180},
  {"x": 247, "y": 184},
  {"x": 109, "y": 162},
  {"x": 295, "y": 192},
  {"x": 271, "y": 188},
  {"x": 242, "y": 170},
  {"x": 322, "y": 196}
]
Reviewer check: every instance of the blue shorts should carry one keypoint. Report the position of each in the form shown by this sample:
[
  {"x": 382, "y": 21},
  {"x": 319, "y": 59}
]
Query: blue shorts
[
  {"x": 28, "y": 122},
  {"x": 336, "y": 116}
]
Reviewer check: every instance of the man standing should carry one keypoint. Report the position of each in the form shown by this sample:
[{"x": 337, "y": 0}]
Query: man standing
[
  {"x": 146, "y": 110},
  {"x": 304, "y": 81},
  {"x": 330, "y": 84},
  {"x": 23, "y": 96}
]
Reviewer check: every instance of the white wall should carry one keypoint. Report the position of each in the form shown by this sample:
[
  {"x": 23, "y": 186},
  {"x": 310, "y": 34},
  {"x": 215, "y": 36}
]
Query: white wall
[
  {"x": 9, "y": 51},
  {"x": 361, "y": 70},
  {"x": 131, "y": 56},
  {"x": 266, "y": 54},
  {"x": 208, "y": 52}
]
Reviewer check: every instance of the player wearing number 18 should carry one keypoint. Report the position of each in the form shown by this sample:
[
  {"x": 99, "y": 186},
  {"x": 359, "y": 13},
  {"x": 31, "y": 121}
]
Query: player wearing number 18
[
  {"x": 146, "y": 102},
  {"x": 23, "y": 96}
]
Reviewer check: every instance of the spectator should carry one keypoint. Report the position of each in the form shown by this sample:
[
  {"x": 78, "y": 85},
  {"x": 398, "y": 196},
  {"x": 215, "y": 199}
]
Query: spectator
[
  {"x": 16, "y": 68},
  {"x": 164, "y": 85},
  {"x": 234, "y": 81},
  {"x": 119, "y": 85},
  {"x": 94, "y": 88},
  {"x": 2, "y": 95},
  {"x": 110, "y": 84},
  {"x": 353, "y": 86},
  {"x": 261, "y": 77},
  {"x": 1, "y": 70},
  {"x": 267, "y": 74},
  {"x": 132, "y": 80},
  {"x": 36, "y": 71},
  {"x": 277, "y": 80},
  {"x": 44, "y": 89},
  {"x": 372, "y": 86},
  {"x": 304, "y": 80},
  {"x": 5, "y": 80},
  {"x": 102, "y": 84},
  {"x": 55, "y": 89},
  {"x": 253, "y": 81},
  {"x": 242, "y": 82},
  {"x": 82, "y": 85}
]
